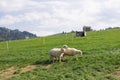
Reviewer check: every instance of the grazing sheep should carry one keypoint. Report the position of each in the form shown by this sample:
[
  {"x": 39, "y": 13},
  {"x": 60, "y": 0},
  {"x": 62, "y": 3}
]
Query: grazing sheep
[
  {"x": 71, "y": 51},
  {"x": 56, "y": 54}
]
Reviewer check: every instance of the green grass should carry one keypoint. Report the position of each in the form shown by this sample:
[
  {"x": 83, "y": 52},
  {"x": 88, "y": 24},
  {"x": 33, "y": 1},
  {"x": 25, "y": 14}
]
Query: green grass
[{"x": 101, "y": 56}]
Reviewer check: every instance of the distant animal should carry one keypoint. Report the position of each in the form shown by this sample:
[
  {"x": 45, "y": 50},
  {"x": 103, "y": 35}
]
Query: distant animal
[
  {"x": 56, "y": 54},
  {"x": 71, "y": 51}
]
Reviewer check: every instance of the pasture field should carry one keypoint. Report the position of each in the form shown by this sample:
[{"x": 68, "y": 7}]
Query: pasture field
[{"x": 29, "y": 59}]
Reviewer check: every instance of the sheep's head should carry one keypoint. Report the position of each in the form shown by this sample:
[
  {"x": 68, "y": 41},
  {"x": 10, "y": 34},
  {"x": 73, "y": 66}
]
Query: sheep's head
[
  {"x": 65, "y": 46},
  {"x": 79, "y": 52}
]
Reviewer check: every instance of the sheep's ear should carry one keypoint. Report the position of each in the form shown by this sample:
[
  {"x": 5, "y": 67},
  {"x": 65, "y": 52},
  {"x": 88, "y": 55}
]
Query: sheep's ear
[{"x": 65, "y": 46}]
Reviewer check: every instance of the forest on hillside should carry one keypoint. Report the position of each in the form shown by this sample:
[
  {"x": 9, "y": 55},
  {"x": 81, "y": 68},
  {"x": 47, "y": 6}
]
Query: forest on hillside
[{"x": 8, "y": 34}]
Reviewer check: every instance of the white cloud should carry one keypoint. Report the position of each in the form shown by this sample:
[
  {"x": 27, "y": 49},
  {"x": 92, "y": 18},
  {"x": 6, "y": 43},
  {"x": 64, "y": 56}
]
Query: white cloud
[
  {"x": 53, "y": 16},
  {"x": 17, "y": 5}
]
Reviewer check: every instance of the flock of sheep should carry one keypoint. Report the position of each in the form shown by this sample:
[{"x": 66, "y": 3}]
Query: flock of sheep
[{"x": 59, "y": 53}]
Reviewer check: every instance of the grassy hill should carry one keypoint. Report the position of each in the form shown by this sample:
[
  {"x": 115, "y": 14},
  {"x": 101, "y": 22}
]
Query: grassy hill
[{"x": 28, "y": 59}]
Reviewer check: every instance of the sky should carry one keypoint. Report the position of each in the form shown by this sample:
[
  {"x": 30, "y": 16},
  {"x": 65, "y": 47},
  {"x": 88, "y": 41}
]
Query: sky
[{"x": 47, "y": 17}]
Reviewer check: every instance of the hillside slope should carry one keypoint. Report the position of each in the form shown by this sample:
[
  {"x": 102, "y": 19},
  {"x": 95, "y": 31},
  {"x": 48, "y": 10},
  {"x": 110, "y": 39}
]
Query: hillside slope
[{"x": 100, "y": 60}]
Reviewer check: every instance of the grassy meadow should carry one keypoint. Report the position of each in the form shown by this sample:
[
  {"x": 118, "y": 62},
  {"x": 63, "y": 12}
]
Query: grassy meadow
[{"x": 100, "y": 60}]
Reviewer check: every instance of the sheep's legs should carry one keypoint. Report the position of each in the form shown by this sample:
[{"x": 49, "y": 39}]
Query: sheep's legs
[
  {"x": 52, "y": 59},
  {"x": 59, "y": 59}
]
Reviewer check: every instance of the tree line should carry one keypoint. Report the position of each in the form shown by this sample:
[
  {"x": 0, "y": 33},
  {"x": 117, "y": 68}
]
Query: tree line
[{"x": 8, "y": 34}]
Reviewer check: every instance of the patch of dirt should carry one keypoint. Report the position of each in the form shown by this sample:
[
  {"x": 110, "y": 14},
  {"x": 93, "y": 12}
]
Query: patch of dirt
[
  {"x": 117, "y": 74},
  {"x": 28, "y": 68},
  {"x": 12, "y": 71},
  {"x": 8, "y": 73}
]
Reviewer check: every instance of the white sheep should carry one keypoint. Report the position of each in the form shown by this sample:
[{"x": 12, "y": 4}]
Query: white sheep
[
  {"x": 56, "y": 54},
  {"x": 71, "y": 51}
]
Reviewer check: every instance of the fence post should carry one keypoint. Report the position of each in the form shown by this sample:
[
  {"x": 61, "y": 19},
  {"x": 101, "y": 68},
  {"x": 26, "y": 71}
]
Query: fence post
[{"x": 7, "y": 45}]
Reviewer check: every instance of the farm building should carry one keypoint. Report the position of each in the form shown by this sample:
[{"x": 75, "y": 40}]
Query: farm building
[{"x": 87, "y": 28}]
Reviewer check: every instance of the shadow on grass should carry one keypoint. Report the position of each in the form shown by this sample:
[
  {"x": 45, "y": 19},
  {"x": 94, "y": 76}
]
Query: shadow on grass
[
  {"x": 46, "y": 62},
  {"x": 42, "y": 62}
]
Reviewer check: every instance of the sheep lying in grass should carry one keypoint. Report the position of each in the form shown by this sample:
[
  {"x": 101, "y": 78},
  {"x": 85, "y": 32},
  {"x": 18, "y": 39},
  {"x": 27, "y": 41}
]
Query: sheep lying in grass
[
  {"x": 56, "y": 54},
  {"x": 71, "y": 51}
]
